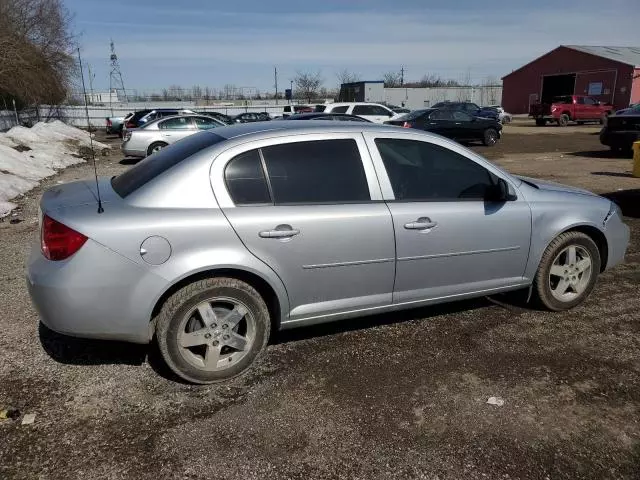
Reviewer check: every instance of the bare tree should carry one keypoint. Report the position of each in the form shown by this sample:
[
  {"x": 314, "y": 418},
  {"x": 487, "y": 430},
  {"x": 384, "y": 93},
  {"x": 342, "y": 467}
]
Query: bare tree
[
  {"x": 196, "y": 92},
  {"x": 165, "y": 94},
  {"x": 36, "y": 47},
  {"x": 391, "y": 79},
  {"x": 345, "y": 76},
  {"x": 307, "y": 84}
]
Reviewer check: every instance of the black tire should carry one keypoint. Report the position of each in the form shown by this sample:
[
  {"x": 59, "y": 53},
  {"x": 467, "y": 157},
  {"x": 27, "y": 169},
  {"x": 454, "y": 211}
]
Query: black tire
[
  {"x": 563, "y": 121},
  {"x": 186, "y": 299},
  {"x": 541, "y": 284},
  {"x": 490, "y": 137},
  {"x": 541, "y": 122},
  {"x": 155, "y": 146}
]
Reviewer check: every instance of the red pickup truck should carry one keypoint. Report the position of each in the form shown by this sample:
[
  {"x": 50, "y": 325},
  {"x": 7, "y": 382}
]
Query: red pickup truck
[{"x": 576, "y": 108}]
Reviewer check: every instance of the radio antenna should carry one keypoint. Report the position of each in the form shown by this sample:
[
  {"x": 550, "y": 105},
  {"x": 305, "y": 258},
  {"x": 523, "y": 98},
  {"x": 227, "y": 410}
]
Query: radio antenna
[{"x": 93, "y": 152}]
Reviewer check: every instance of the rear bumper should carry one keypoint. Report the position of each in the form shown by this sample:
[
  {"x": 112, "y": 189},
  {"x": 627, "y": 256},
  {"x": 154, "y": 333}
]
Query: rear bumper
[
  {"x": 619, "y": 139},
  {"x": 133, "y": 150},
  {"x": 96, "y": 293}
]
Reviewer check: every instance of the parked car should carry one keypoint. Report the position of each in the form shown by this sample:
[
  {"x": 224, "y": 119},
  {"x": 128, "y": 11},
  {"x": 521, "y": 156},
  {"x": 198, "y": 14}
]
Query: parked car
[
  {"x": 630, "y": 110},
  {"x": 452, "y": 124},
  {"x": 208, "y": 245},
  {"x": 131, "y": 121},
  {"x": 468, "y": 107},
  {"x": 114, "y": 124},
  {"x": 249, "y": 117},
  {"x": 151, "y": 115},
  {"x": 503, "y": 116},
  {"x": 341, "y": 117},
  {"x": 620, "y": 131},
  {"x": 373, "y": 112},
  {"x": 570, "y": 108},
  {"x": 156, "y": 135},
  {"x": 398, "y": 109},
  {"x": 219, "y": 116},
  {"x": 293, "y": 109}
]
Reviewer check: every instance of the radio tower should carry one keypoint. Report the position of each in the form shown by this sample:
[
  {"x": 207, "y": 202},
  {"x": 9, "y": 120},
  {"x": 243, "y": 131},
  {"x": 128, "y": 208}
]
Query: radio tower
[{"x": 115, "y": 78}]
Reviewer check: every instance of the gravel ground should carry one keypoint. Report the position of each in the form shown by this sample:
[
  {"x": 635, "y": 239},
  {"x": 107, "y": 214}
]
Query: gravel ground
[{"x": 392, "y": 396}]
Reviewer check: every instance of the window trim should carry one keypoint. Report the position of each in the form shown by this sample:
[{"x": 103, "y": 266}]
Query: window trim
[
  {"x": 385, "y": 183},
  {"x": 220, "y": 162},
  {"x": 264, "y": 173}
]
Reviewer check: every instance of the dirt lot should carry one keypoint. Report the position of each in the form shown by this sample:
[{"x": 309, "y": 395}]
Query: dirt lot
[{"x": 393, "y": 396}]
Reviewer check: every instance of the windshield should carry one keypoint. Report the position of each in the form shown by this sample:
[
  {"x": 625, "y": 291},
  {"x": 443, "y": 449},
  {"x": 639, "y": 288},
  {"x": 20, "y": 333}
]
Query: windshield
[{"x": 161, "y": 161}]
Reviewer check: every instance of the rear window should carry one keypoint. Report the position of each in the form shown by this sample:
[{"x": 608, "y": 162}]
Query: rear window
[
  {"x": 563, "y": 100},
  {"x": 160, "y": 162},
  {"x": 415, "y": 114}
]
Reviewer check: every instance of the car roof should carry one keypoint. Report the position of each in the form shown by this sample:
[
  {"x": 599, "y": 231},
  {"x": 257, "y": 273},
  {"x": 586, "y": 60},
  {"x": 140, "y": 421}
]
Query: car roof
[
  {"x": 304, "y": 116},
  {"x": 348, "y": 104},
  {"x": 184, "y": 115}
]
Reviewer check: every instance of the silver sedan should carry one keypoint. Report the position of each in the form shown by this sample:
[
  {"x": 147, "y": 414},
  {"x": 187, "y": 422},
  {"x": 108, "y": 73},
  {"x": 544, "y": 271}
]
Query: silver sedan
[
  {"x": 209, "y": 245},
  {"x": 154, "y": 136}
]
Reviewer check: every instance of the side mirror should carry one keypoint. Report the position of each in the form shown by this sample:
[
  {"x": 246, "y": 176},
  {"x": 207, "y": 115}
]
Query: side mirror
[{"x": 500, "y": 192}]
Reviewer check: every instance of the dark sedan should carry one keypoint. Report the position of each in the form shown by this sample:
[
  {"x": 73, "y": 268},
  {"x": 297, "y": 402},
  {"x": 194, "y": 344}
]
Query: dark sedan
[
  {"x": 340, "y": 117},
  {"x": 470, "y": 108},
  {"x": 218, "y": 116},
  {"x": 249, "y": 117},
  {"x": 621, "y": 130},
  {"x": 452, "y": 124}
]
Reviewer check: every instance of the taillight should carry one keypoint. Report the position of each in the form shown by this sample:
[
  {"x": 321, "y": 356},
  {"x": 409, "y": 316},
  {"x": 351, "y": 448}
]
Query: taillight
[
  {"x": 59, "y": 241},
  {"x": 407, "y": 125}
]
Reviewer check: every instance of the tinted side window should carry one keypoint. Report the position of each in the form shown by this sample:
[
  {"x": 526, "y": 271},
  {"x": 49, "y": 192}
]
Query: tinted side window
[
  {"x": 323, "y": 171},
  {"x": 245, "y": 179},
  {"x": 441, "y": 115},
  {"x": 342, "y": 109},
  {"x": 204, "y": 123},
  {"x": 379, "y": 110},
  {"x": 421, "y": 171},
  {"x": 178, "y": 123},
  {"x": 461, "y": 117},
  {"x": 589, "y": 101},
  {"x": 364, "y": 110}
]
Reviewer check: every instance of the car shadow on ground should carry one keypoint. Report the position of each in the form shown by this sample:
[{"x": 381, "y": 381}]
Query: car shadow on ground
[
  {"x": 627, "y": 200},
  {"x": 605, "y": 153},
  {"x": 129, "y": 161}
]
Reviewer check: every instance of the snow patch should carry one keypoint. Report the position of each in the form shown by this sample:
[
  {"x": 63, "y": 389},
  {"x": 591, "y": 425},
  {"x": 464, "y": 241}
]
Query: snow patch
[{"x": 52, "y": 146}]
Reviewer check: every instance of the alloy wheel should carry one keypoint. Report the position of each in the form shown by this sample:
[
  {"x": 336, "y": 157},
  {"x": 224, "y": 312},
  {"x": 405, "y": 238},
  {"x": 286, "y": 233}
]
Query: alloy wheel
[{"x": 570, "y": 273}]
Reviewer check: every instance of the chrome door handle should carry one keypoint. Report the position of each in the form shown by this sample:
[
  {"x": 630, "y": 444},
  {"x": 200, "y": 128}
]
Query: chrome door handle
[
  {"x": 423, "y": 223},
  {"x": 281, "y": 231}
]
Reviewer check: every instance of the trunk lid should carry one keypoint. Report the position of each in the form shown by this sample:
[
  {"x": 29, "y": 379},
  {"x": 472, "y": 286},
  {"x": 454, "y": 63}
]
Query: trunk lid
[{"x": 74, "y": 194}]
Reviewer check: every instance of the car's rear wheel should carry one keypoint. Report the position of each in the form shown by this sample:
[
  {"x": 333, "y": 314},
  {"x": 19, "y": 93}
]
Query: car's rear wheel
[
  {"x": 568, "y": 271},
  {"x": 563, "y": 121},
  {"x": 155, "y": 147},
  {"x": 490, "y": 137},
  {"x": 212, "y": 330}
]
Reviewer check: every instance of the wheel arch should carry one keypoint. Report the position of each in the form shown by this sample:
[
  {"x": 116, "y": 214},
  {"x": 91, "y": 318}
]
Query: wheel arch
[
  {"x": 274, "y": 303},
  {"x": 597, "y": 236}
]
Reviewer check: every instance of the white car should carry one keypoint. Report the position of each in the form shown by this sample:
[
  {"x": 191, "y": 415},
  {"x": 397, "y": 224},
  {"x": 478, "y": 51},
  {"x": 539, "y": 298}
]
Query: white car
[
  {"x": 374, "y": 112},
  {"x": 503, "y": 116}
]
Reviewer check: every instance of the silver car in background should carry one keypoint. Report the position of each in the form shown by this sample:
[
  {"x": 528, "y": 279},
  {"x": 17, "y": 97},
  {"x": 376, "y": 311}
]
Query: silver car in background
[
  {"x": 154, "y": 136},
  {"x": 212, "y": 243}
]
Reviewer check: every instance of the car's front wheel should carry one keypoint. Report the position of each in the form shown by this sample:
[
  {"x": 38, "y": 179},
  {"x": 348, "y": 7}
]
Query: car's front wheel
[
  {"x": 212, "y": 330},
  {"x": 567, "y": 272},
  {"x": 490, "y": 137}
]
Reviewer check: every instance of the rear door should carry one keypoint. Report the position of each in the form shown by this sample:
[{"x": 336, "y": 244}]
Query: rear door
[
  {"x": 450, "y": 241},
  {"x": 464, "y": 126},
  {"x": 310, "y": 207},
  {"x": 439, "y": 122},
  {"x": 177, "y": 128},
  {"x": 373, "y": 113}
]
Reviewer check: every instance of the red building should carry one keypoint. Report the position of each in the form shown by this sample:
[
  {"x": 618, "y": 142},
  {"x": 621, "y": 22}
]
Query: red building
[{"x": 610, "y": 74}]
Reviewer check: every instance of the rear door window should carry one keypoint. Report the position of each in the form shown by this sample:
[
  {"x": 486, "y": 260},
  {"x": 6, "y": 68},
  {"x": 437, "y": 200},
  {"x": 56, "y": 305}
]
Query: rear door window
[
  {"x": 342, "y": 109},
  {"x": 245, "y": 179},
  {"x": 178, "y": 123},
  {"x": 322, "y": 171}
]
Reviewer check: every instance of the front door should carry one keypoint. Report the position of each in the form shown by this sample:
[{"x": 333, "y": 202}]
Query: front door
[
  {"x": 450, "y": 241},
  {"x": 311, "y": 209}
]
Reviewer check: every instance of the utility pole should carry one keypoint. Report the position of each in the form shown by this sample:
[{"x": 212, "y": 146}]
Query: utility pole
[
  {"x": 91, "y": 77},
  {"x": 275, "y": 75},
  {"x": 115, "y": 77},
  {"x": 402, "y": 75}
]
